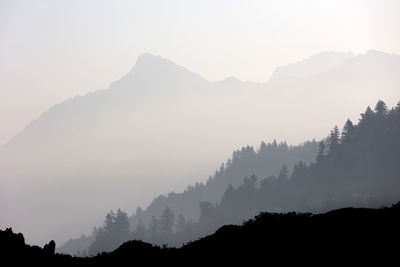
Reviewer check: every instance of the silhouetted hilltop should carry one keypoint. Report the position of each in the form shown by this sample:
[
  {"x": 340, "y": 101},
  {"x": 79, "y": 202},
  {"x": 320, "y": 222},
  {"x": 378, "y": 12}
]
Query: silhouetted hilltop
[
  {"x": 14, "y": 252},
  {"x": 341, "y": 237},
  {"x": 349, "y": 236}
]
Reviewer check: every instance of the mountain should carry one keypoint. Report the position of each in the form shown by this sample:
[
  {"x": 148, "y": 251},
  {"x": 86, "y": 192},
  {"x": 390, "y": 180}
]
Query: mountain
[
  {"x": 346, "y": 236},
  {"x": 160, "y": 128},
  {"x": 311, "y": 66},
  {"x": 358, "y": 168}
]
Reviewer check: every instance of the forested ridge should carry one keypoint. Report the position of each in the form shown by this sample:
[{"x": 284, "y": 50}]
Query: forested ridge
[
  {"x": 357, "y": 166},
  {"x": 271, "y": 218},
  {"x": 263, "y": 161}
]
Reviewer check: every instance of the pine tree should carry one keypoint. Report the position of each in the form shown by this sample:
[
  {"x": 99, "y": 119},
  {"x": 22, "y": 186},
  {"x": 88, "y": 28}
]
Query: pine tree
[
  {"x": 321, "y": 151},
  {"x": 121, "y": 227},
  {"x": 348, "y": 131},
  {"x": 114, "y": 232},
  {"x": 333, "y": 140},
  {"x": 367, "y": 115},
  {"x": 381, "y": 108},
  {"x": 263, "y": 147},
  {"x": 166, "y": 224},
  {"x": 109, "y": 221},
  {"x": 274, "y": 144},
  {"x": 283, "y": 173}
]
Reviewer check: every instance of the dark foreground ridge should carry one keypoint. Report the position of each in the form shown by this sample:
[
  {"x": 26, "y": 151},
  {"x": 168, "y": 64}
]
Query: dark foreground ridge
[{"x": 349, "y": 236}]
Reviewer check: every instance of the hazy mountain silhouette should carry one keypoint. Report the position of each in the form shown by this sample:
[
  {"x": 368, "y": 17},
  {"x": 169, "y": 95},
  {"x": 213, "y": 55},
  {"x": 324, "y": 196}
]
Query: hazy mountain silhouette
[
  {"x": 311, "y": 66},
  {"x": 358, "y": 167},
  {"x": 267, "y": 159},
  {"x": 145, "y": 135}
]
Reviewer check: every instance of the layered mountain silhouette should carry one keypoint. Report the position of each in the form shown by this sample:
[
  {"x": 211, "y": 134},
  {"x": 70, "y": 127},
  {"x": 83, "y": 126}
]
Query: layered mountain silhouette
[
  {"x": 144, "y": 135},
  {"x": 358, "y": 166},
  {"x": 262, "y": 161}
]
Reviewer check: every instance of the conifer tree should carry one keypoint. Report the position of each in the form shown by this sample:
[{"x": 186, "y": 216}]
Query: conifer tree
[
  {"x": 348, "y": 131},
  {"x": 381, "y": 108},
  {"x": 167, "y": 223},
  {"x": 321, "y": 151},
  {"x": 283, "y": 173},
  {"x": 334, "y": 139}
]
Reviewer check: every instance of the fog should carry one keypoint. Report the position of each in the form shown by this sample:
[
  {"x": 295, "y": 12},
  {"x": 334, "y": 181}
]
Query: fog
[
  {"x": 162, "y": 127},
  {"x": 89, "y": 138},
  {"x": 53, "y": 51}
]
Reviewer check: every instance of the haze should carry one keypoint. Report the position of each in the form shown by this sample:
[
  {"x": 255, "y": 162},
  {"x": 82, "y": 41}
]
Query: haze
[
  {"x": 51, "y": 51},
  {"x": 106, "y": 105}
]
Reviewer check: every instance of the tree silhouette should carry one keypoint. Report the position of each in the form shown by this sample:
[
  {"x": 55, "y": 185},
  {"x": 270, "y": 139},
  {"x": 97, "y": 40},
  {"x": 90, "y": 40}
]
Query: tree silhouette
[
  {"x": 166, "y": 224},
  {"x": 114, "y": 232},
  {"x": 348, "y": 131},
  {"x": 321, "y": 151},
  {"x": 381, "y": 108},
  {"x": 283, "y": 173},
  {"x": 367, "y": 115},
  {"x": 334, "y": 140}
]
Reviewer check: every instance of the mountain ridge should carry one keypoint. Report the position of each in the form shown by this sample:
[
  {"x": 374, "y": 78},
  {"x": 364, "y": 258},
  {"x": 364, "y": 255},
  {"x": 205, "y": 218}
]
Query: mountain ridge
[
  {"x": 140, "y": 134},
  {"x": 145, "y": 62}
]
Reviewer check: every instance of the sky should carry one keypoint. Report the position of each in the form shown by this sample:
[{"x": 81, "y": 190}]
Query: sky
[{"x": 54, "y": 50}]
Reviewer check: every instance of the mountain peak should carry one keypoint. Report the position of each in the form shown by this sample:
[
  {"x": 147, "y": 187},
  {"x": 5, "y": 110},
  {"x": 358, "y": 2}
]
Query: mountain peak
[
  {"x": 151, "y": 71},
  {"x": 148, "y": 60}
]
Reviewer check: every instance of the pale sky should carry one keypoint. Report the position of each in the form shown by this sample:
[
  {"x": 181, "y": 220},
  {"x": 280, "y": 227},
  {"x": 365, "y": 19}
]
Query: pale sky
[{"x": 53, "y": 50}]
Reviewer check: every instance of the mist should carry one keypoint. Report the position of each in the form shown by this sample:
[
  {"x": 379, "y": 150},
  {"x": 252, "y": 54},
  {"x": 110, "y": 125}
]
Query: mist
[
  {"x": 111, "y": 118},
  {"x": 161, "y": 127}
]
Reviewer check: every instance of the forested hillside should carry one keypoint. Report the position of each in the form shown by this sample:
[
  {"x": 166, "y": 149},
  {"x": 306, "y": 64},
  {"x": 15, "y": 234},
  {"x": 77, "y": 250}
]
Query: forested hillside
[
  {"x": 264, "y": 161},
  {"x": 358, "y": 166},
  {"x": 175, "y": 211}
]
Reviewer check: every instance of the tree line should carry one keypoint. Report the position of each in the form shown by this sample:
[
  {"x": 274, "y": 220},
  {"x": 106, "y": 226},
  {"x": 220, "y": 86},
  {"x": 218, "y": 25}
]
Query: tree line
[{"x": 357, "y": 166}]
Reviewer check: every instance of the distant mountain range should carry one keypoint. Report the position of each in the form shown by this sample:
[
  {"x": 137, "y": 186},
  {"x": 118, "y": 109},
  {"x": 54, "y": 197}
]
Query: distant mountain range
[
  {"x": 311, "y": 66},
  {"x": 162, "y": 127}
]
